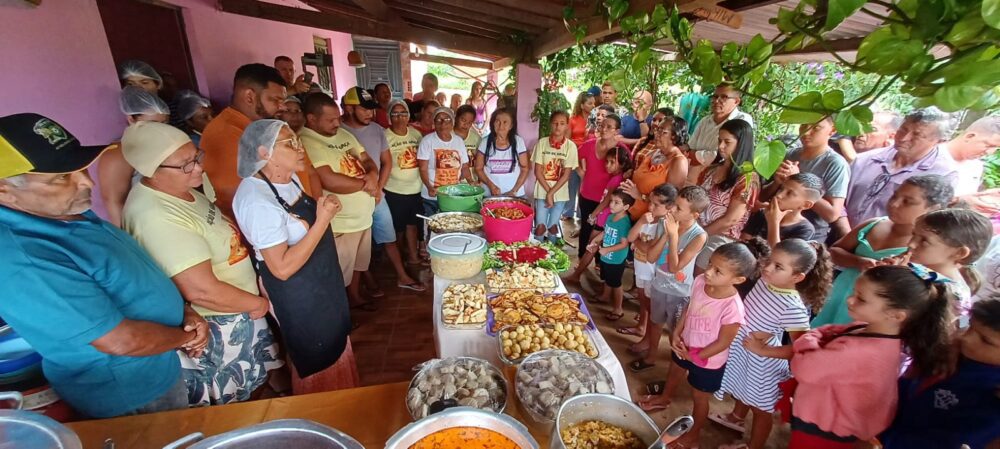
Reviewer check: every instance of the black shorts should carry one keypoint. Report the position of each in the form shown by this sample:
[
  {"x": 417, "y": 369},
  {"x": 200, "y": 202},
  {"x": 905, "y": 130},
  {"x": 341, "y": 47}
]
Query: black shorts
[
  {"x": 611, "y": 274},
  {"x": 701, "y": 379},
  {"x": 404, "y": 210}
]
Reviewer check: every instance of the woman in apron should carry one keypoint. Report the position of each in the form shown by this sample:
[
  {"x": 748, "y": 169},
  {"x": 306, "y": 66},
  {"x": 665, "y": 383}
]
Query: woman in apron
[{"x": 297, "y": 257}]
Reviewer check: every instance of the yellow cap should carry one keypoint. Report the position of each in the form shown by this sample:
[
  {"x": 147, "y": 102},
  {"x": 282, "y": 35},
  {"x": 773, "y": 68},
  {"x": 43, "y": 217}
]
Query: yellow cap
[{"x": 146, "y": 145}]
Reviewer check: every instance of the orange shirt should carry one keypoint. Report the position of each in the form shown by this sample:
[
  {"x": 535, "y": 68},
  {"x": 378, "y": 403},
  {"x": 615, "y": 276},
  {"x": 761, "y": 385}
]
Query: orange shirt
[
  {"x": 221, "y": 142},
  {"x": 578, "y": 129},
  {"x": 647, "y": 176}
]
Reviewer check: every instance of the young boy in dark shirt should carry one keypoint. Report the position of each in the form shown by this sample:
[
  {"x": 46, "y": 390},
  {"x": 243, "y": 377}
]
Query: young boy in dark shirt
[{"x": 782, "y": 218}]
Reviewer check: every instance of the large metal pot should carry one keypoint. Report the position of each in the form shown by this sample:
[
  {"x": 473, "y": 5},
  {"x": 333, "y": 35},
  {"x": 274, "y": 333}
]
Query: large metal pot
[
  {"x": 498, "y": 398},
  {"x": 434, "y": 224},
  {"x": 462, "y": 417},
  {"x": 608, "y": 408},
  {"x": 281, "y": 433},
  {"x": 34, "y": 430}
]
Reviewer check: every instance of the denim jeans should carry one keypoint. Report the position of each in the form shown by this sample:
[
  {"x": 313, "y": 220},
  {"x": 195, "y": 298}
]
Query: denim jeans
[
  {"x": 382, "y": 227},
  {"x": 175, "y": 398},
  {"x": 549, "y": 216}
]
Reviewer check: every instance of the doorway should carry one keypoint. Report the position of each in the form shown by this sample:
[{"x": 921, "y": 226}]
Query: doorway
[{"x": 153, "y": 32}]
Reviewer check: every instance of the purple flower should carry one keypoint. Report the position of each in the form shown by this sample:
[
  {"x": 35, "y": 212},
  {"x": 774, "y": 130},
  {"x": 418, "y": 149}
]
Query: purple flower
[
  {"x": 822, "y": 76},
  {"x": 812, "y": 65},
  {"x": 770, "y": 138},
  {"x": 838, "y": 75}
]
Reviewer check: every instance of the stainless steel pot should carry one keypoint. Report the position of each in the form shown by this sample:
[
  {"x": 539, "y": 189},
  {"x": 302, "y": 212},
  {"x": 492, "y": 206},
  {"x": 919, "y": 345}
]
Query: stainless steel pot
[
  {"x": 499, "y": 402},
  {"x": 432, "y": 224},
  {"x": 462, "y": 417},
  {"x": 281, "y": 433},
  {"x": 607, "y": 408},
  {"x": 31, "y": 429}
]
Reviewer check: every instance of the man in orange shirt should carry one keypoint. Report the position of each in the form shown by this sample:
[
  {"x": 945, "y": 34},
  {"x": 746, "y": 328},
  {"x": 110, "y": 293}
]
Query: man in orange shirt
[{"x": 258, "y": 93}]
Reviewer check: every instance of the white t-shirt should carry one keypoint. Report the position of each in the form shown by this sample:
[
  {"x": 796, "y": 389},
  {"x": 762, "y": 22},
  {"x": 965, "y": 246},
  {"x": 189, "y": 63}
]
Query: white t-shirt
[
  {"x": 970, "y": 176},
  {"x": 444, "y": 160},
  {"x": 502, "y": 167},
  {"x": 706, "y": 135},
  {"x": 263, "y": 221}
]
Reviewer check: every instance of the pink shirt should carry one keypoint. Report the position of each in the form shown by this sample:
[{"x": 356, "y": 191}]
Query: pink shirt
[
  {"x": 596, "y": 177},
  {"x": 847, "y": 385},
  {"x": 613, "y": 184},
  {"x": 706, "y": 316}
]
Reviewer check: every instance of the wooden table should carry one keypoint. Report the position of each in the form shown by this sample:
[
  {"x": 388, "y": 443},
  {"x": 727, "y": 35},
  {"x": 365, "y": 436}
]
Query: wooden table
[{"x": 370, "y": 415}]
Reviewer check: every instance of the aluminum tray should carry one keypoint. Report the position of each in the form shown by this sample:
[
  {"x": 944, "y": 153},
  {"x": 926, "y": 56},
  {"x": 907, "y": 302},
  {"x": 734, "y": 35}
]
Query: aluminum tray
[
  {"x": 490, "y": 319},
  {"x": 466, "y": 326},
  {"x": 503, "y": 358}
]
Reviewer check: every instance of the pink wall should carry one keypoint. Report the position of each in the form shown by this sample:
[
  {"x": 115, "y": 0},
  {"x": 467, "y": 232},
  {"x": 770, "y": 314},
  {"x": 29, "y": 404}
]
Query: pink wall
[
  {"x": 56, "y": 59},
  {"x": 529, "y": 78},
  {"x": 56, "y": 62},
  {"x": 221, "y": 42}
]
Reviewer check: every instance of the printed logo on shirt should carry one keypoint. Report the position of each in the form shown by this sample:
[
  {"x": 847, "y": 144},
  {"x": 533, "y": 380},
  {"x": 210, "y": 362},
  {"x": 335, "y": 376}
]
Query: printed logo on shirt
[
  {"x": 351, "y": 166},
  {"x": 500, "y": 167},
  {"x": 237, "y": 252},
  {"x": 553, "y": 169},
  {"x": 944, "y": 399},
  {"x": 448, "y": 164},
  {"x": 408, "y": 158}
]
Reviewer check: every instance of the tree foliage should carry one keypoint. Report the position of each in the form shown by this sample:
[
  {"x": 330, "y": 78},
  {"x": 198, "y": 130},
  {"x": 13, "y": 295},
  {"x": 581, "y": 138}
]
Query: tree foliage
[{"x": 941, "y": 52}]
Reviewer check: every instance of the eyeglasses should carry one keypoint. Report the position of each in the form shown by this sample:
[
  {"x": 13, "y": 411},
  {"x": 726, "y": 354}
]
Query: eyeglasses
[
  {"x": 189, "y": 166},
  {"x": 721, "y": 97},
  {"x": 293, "y": 142},
  {"x": 443, "y": 120},
  {"x": 399, "y": 114}
]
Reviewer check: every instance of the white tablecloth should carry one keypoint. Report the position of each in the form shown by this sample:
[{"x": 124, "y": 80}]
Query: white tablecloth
[{"x": 476, "y": 343}]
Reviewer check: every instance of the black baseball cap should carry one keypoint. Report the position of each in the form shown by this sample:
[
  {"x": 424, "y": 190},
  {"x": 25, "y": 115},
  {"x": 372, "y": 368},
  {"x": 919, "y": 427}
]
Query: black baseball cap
[
  {"x": 32, "y": 143},
  {"x": 359, "y": 96}
]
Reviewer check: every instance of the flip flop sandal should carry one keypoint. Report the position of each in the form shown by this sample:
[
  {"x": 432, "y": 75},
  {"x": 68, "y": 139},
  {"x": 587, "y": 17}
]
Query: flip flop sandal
[
  {"x": 416, "y": 286},
  {"x": 613, "y": 316},
  {"x": 656, "y": 388},
  {"x": 650, "y": 408},
  {"x": 722, "y": 419},
  {"x": 628, "y": 331},
  {"x": 367, "y": 307},
  {"x": 376, "y": 294},
  {"x": 640, "y": 365}
]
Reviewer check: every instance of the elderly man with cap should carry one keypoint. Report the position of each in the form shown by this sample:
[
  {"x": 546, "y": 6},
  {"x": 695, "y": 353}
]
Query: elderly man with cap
[
  {"x": 359, "y": 109},
  {"x": 296, "y": 255},
  {"x": 83, "y": 294},
  {"x": 203, "y": 253},
  {"x": 292, "y": 115},
  {"x": 345, "y": 169},
  {"x": 442, "y": 158}
]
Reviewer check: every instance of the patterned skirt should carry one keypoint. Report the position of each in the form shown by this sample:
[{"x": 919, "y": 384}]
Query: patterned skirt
[{"x": 239, "y": 354}]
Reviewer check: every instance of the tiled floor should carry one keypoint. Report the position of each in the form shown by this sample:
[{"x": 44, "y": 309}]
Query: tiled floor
[{"x": 391, "y": 341}]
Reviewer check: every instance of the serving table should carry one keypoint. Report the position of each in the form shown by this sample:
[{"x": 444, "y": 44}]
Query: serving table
[{"x": 476, "y": 343}]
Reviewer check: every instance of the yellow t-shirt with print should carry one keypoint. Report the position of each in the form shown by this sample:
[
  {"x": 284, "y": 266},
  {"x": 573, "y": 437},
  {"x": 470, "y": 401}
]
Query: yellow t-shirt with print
[
  {"x": 342, "y": 153},
  {"x": 554, "y": 162},
  {"x": 180, "y": 234},
  {"x": 404, "y": 178},
  {"x": 472, "y": 147}
]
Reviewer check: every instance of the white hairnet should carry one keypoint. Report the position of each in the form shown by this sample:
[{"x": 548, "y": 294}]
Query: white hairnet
[
  {"x": 134, "y": 101},
  {"x": 261, "y": 133},
  {"x": 189, "y": 102},
  {"x": 135, "y": 67}
]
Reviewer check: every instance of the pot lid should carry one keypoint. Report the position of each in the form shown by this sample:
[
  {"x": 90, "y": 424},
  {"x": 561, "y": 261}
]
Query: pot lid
[
  {"x": 457, "y": 243},
  {"x": 31, "y": 429}
]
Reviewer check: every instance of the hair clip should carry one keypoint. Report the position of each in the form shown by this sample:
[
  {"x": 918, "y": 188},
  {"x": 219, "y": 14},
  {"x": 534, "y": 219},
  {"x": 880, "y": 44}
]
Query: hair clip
[{"x": 927, "y": 275}]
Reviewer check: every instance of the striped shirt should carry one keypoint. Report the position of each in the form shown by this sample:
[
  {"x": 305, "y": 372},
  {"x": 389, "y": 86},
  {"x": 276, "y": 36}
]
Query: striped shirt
[{"x": 753, "y": 379}]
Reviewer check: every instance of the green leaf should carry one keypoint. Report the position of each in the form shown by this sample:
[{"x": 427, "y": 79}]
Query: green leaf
[
  {"x": 991, "y": 13},
  {"x": 954, "y": 98},
  {"x": 640, "y": 59},
  {"x": 965, "y": 30},
  {"x": 659, "y": 14},
  {"x": 864, "y": 114},
  {"x": 833, "y": 100},
  {"x": 979, "y": 73},
  {"x": 763, "y": 87},
  {"x": 806, "y": 106},
  {"x": 756, "y": 47},
  {"x": 768, "y": 157},
  {"x": 785, "y": 20},
  {"x": 617, "y": 79},
  {"x": 617, "y": 9},
  {"x": 707, "y": 63},
  {"x": 846, "y": 123},
  {"x": 891, "y": 56},
  {"x": 730, "y": 52},
  {"x": 989, "y": 100},
  {"x": 838, "y": 10}
]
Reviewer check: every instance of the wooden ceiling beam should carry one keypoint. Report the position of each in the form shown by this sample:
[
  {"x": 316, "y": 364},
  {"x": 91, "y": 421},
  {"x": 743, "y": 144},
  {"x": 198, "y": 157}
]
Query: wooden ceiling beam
[
  {"x": 453, "y": 61},
  {"x": 746, "y": 5},
  {"x": 541, "y": 7},
  {"x": 497, "y": 12},
  {"x": 432, "y": 22},
  {"x": 366, "y": 27},
  {"x": 452, "y": 20}
]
